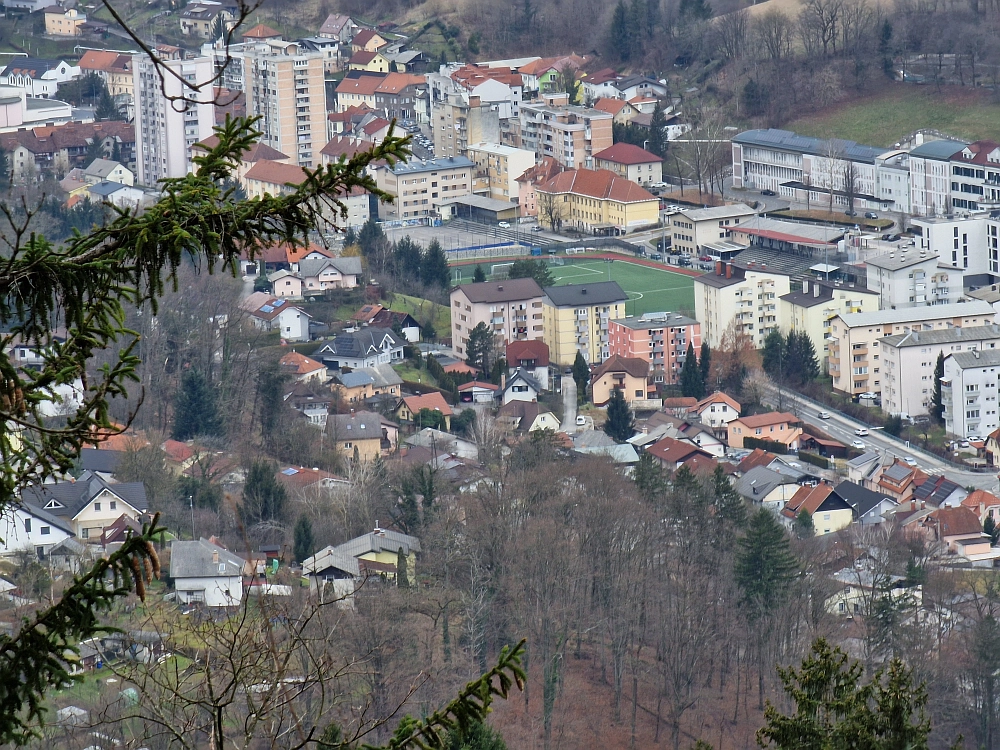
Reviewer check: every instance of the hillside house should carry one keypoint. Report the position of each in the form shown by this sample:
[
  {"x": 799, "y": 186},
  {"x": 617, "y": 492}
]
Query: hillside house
[
  {"x": 367, "y": 347},
  {"x": 205, "y": 573},
  {"x": 626, "y": 374},
  {"x": 88, "y": 504},
  {"x": 409, "y": 407},
  {"x": 378, "y": 551}
]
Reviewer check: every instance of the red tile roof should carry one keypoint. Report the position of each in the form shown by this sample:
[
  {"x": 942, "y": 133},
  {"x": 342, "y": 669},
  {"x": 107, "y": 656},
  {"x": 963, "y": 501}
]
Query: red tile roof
[
  {"x": 366, "y": 313},
  {"x": 376, "y": 125},
  {"x": 362, "y": 57},
  {"x": 637, "y": 368},
  {"x": 954, "y": 522},
  {"x": 393, "y": 83},
  {"x": 276, "y": 173},
  {"x": 717, "y": 398},
  {"x": 345, "y": 145},
  {"x": 177, "y": 451},
  {"x": 602, "y": 76},
  {"x": 363, "y": 37},
  {"x": 295, "y": 253},
  {"x": 545, "y": 64},
  {"x": 671, "y": 451},
  {"x": 362, "y": 85},
  {"x": 299, "y": 477},
  {"x": 981, "y": 151},
  {"x": 470, "y": 76},
  {"x": 808, "y": 499},
  {"x": 988, "y": 499},
  {"x": 757, "y": 457},
  {"x": 300, "y": 364},
  {"x": 477, "y": 384},
  {"x": 255, "y": 153},
  {"x": 260, "y": 31},
  {"x": 627, "y": 153},
  {"x": 537, "y": 350},
  {"x": 680, "y": 402},
  {"x": 433, "y": 401},
  {"x": 96, "y": 59},
  {"x": 597, "y": 183},
  {"x": 611, "y": 106}
]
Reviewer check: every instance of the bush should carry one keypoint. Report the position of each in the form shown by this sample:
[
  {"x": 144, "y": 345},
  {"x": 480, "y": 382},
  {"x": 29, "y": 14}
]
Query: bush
[
  {"x": 772, "y": 446},
  {"x": 812, "y": 458}
]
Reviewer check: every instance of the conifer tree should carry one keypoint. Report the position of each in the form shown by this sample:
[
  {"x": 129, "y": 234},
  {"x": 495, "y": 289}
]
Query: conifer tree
[
  {"x": 402, "y": 573},
  {"x": 581, "y": 376},
  {"x": 620, "y": 424},
  {"x": 434, "y": 267},
  {"x": 937, "y": 402},
  {"x": 648, "y": 477},
  {"x": 480, "y": 347},
  {"x": 619, "y": 33},
  {"x": 304, "y": 545},
  {"x": 479, "y": 275},
  {"x": 263, "y": 496},
  {"x": 106, "y": 107},
  {"x": 408, "y": 258},
  {"x": 730, "y": 509},
  {"x": 773, "y": 356},
  {"x": 705, "y": 363},
  {"x": 804, "y": 528},
  {"x": 692, "y": 384},
  {"x": 195, "y": 409},
  {"x": 657, "y": 130},
  {"x": 765, "y": 566}
]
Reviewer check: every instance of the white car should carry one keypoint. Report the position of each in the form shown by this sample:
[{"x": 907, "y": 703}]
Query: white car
[
  {"x": 868, "y": 395},
  {"x": 859, "y": 444},
  {"x": 581, "y": 421},
  {"x": 861, "y": 432},
  {"x": 910, "y": 460},
  {"x": 504, "y": 224},
  {"x": 824, "y": 415}
]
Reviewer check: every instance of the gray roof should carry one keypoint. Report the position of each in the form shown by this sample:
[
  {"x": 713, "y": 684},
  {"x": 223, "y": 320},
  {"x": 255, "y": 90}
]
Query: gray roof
[
  {"x": 382, "y": 375},
  {"x": 988, "y": 293},
  {"x": 580, "y": 295},
  {"x": 329, "y": 557},
  {"x": 361, "y": 343},
  {"x": 349, "y": 266},
  {"x": 592, "y": 439},
  {"x": 35, "y": 66},
  {"x": 361, "y": 425},
  {"x": 502, "y": 291},
  {"x": 897, "y": 472},
  {"x": 93, "y": 459},
  {"x": 827, "y": 288},
  {"x": 761, "y": 479},
  {"x": 43, "y": 515},
  {"x": 197, "y": 560},
  {"x": 803, "y": 233},
  {"x": 416, "y": 166},
  {"x": 895, "y": 261},
  {"x": 101, "y": 167},
  {"x": 785, "y": 140},
  {"x": 106, "y": 188},
  {"x": 669, "y": 320},
  {"x": 917, "y": 314},
  {"x": 717, "y": 212},
  {"x": 67, "y": 499},
  {"x": 355, "y": 379},
  {"x": 520, "y": 374},
  {"x": 382, "y": 540},
  {"x": 620, "y": 454},
  {"x": 942, "y": 149},
  {"x": 942, "y": 336},
  {"x": 968, "y": 360},
  {"x": 68, "y": 547},
  {"x": 865, "y": 458}
]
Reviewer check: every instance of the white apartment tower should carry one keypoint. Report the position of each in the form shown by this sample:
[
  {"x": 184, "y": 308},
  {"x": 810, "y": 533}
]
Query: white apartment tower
[
  {"x": 165, "y": 125},
  {"x": 286, "y": 87}
]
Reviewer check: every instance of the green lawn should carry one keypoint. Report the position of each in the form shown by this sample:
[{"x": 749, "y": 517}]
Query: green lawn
[
  {"x": 649, "y": 289},
  {"x": 899, "y": 109},
  {"x": 420, "y": 309}
]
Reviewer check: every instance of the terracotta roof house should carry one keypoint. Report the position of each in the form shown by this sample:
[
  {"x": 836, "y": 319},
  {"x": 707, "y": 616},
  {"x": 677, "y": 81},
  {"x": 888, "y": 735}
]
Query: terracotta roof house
[
  {"x": 626, "y": 153},
  {"x": 261, "y": 32},
  {"x": 829, "y": 511},
  {"x": 603, "y": 197},
  {"x": 984, "y": 504},
  {"x": 477, "y": 392},
  {"x": 679, "y": 406},
  {"x": 302, "y": 368},
  {"x": 409, "y": 407},
  {"x": 717, "y": 410},
  {"x": 779, "y": 427},
  {"x": 671, "y": 453},
  {"x": 757, "y": 457},
  {"x": 630, "y": 375}
]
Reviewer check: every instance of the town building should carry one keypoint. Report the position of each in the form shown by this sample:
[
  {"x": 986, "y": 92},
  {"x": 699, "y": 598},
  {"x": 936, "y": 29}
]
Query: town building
[
  {"x": 100, "y": 170},
  {"x": 165, "y": 133},
  {"x": 25, "y": 528},
  {"x": 205, "y": 573},
  {"x": 717, "y": 410},
  {"x": 378, "y": 552},
  {"x": 630, "y": 375},
  {"x": 511, "y": 309},
  {"x": 570, "y": 134},
  {"x": 662, "y": 339},
  {"x": 969, "y": 393},
  {"x": 690, "y": 229},
  {"x": 61, "y": 21},
  {"x": 88, "y": 504},
  {"x": 968, "y": 241},
  {"x": 829, "y": 512},
  {"x": 539, "y": 174},
  {"x": 930, "y": 177},
  {"x": 275, "y": 314},
  {"x": 472, "y": 104},
  {"x": 852, "y": 346},
  {"x": 909, "y": 361},
  {"x": 286, "y": 88},
  {"x": 198, "y": 19},
  {"x": 37, "y": 78},
  {"x": 531, "y": 357},
  {"x": 577, "y": 319},
  {"x": 596, "y": 201},
  {"x": 339, "y": 27},
  {"x": 744, "y": 297},
  {"x": 913, "y": 279},
  {"x": 497, "y": 169},
  {"x": 811, "y": 308},
  {"x": 409, "y": 408},
  {"x": 421, "y": 186},
  {"x": 357, "y": 434},
  {"x": 631, "y": 162},
  {"x": 778, "y": 427},
  {"x": 366, "y": 347}
]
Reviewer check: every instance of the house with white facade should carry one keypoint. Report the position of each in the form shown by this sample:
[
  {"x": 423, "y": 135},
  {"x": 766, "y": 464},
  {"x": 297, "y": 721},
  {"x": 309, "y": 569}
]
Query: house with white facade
[
  {"x": 38, "y": 78},
  {"x": 332, "y": 575},
  {"x": 275, "y": 314},
  {"x": 969, "y": 393},
  {"x": 913, "y": 279},
  {"x": 366, "y": 347},
  {"x": 520, "y": 387},
  {"x": 205, "y": 573},
  {"x": 967, "y": 240},
  {"x": 930, "y": 177},
  {"x": 908, "y": 362},
  {"x": 717, "y": 410},
  {"x": 25, "y": 528},
  {"x": 88, "y": 504}
]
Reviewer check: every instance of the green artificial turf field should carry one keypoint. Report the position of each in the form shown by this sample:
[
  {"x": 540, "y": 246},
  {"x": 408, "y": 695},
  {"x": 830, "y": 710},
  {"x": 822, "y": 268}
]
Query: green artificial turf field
[{"x": 649, "y": 289}]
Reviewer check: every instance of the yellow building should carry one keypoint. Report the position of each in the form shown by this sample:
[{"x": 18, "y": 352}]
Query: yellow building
[
  {"x": 113, "y": 68},
  {"x": 597, "y": 201},
  {"x": 575, "y": 319},
  {"x": 630, "y": 375},
  {"x": 829, "y": 512},
  {"x": 62, "y": 22},
  {"x": 371, "y": 62},
  {"x": 812, "y": 307},
  {"x": 356, "y": 434},
  {"x": 377, "y": 553},
  {"x": 778, "y": 427}
]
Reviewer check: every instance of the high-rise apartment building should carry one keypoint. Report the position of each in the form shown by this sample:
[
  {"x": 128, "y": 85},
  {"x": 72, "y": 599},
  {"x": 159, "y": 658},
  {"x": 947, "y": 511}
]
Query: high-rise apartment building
[
  {"x": 285, "y": 86},
  {"x": 169, "y": 116}
]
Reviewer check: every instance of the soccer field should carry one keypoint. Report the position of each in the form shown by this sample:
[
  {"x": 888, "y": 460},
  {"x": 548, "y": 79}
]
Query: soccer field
[{"x": 648, "y": 289}]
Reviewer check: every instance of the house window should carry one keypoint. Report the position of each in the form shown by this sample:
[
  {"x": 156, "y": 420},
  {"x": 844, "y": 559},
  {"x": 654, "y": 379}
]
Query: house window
[
  {"x": 348, "y": 445},
  {"x": 45, "y": 530},
  {"x": 86, "y": 533},
  {"x": 97, "y": 507},
  {"x": 113, "y": 505},
  {"x": 638, "y": 393},
  {"x": 27, "y": 525}
]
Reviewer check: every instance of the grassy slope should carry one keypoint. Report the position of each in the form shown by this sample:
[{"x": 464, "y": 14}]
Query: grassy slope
[
  {"x": 416, "y": 307},
  {"x": 882, "y": 119}
]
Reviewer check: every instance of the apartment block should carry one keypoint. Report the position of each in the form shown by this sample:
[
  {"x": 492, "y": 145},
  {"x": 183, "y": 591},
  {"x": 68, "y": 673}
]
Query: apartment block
[
  {"x": 513, "y": 310},
  {"x": 595, "y": 201},
  {"x": 660, "y": 338},
  {"x": 569, "y": 134},
  {"x": 166, "y": 131},
  {"x": 421, "y": 186},
  {"x": 969, "y": 392},
  {"x": 930, "y": 177},
  {"x": 690, "y": 229},
  {"x": 471, "y": 104},
  {"x": 497, "y": 169},
  {"x": 854, "y": 362},
  {"x": 908, "y": 362},
  {"x": 913, "y": 278},
  {"x": 577, "y": 318},
  {"x": 811, "y": 308},
  {"x": 744, "y": 297},
  {"x": 286, "y": 87}
]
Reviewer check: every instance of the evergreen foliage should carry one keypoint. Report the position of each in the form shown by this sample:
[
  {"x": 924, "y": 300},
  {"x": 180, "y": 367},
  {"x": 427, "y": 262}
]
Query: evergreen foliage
[
  {"x": 991, "y": 530},
  {"x": 479, "y": 276},
  {"x": 705, "y": 363},
  {"x": 263, "y": 496},
  {"x": 773, "y": 355},
  {"x": 409, "y": 258},
  {"x": 730, "y": 508},
  {"x": 480, "y": 736},
  {"x": 657, "y": 130},
  {"x": 648, "y": 477},
  {"x": 804, "y": 528},
  {"x": 937, "y": 403},
  {"x": 479, "y": 349},
  {"x": 434, "y": 267},
  {"x": 755, "y": 98},
  {"x": 402, "y": 572},
  {"x": 620, "y": 423},
  {"x": 765, "y": 566},
  {"x": 695, "y": 10},
  {"x": 195, "y": 408},
  {"x": 802, "y": 366},
  {"x": 692, "y": 384},
  {"x": 526, "y": 268},
  {"x": 620, "y": 33},
  {"x": 304, "y": 545},
  {"x": 581, "y": 376},
  {"x": 106, "y": 107}
]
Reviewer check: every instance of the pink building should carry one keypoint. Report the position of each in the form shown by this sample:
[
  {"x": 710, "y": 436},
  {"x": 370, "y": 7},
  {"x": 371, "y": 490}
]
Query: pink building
[
  {"x": 510, "y": 309},
  {"x": 659, "y": 338}
]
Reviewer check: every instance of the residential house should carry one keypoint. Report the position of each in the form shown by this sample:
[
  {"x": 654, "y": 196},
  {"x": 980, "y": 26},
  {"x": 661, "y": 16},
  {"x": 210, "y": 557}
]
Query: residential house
[
  {"x": 26, "y": 528},
  {"x": 39, "y": 151},
  {"x": 765, "y": 487},
  {"x": 376, "y": 315},
  {"x": 421, "y": 186},
  {"x": 756, "y": 457},
  {"x": 332, "y": 575},
  {"x": 639, "y": 86},
  {"x": 304, "y": 480},
  {"x": 197, "y": 20},
  {"x": 366, "y": 347},
  {"x": 377, "y": 552},
  {"x": 913, "y": 279},
  {"x": 662, "y": 338},
  {"x": 37, "y": 78},
  {"x": 511, "y": 309},
  {"x": 365, "y": 383},
  {"x": 475, "y": 392},
  {"x": 103, "y": 463},
  {"x": 984, "y": 504},
  {"x": 371, "y": 62},
  {"x": 671, "y": 454},
  {"x": 286, "y": 284},
  {"x": 829, "y": 512},
  {"x": 61, "y": 21},
  {"x": 957, "y": 529},
  {"x": 747, "y": 295},
  {"x": 542, "y": 172},
  {"x": 811, "y": 309},
  {"x": 367, "y": 40},
  {"x": 992, "y": 448},
  {"x": 969, "y": 393},
  {"x": 869, "y": 507},
  {"x": 692, "y": 229},
  {"x": 524, "y": 417},
  {"x": 275, "y": 314},
  {"x": 628, "y": 375},
  {"x": 339, "y": 27},
  {"x": 357, "y": 89},
  {"x": 520, "y": 387},
  {"x": 779, "y": 427},
  {"x": 409, "y": 407},
  {"x": 259, "y": 152},
  {"x": 314, "y": 406},
  {"x": 853, "y": 338},
  {"x": 101, "y": 170},
  {"x": 117, "y": 194},
  {"x": 939, "y": 491},
  {"x": 473, "y": 104},
  {"x": 205, "y": 573},
  {"x": 303, "y": 369},
  {"x": 622, "y": 112},
  {"x": 595, "y": 201},
  {"x": 577, "y": 319},
  {"x": 570, "y": 134},
  {"x": 89, "y": 503},
  {"x": 898, "y": 480},
  {"x": 322, "y": 274},
  {"x": 177, "y": 456},
  {"x": 357, "y": 434},
  {"x": 631, "y": 162},
  {"x": 717, "y": 410},
  {"x": 531, "y": 357},
  {"x": 545, "y": 74},
  {"x": 114, "y": 68}
]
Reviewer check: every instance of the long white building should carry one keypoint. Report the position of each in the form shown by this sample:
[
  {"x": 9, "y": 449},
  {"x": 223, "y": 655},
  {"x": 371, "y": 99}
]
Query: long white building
[{"x": 969, "y": 393}]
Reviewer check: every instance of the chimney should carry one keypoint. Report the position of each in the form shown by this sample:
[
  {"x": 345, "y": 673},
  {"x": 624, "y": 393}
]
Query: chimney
[
  {"x": 719, "y": 265},
  {"x": 583, "y": 291},
  {"x": 729, "y": 270},
  {"x": 215, "y": 557},
  {"x": 913, "y": 505}
]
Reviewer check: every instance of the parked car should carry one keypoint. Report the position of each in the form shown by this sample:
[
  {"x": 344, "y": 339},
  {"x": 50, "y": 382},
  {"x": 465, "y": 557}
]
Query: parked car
[
  {"x": 824, "y": 415},
  {"x": 705, "y": 258},
  {"x": 656, "y": 256},
  {"x": 672, "y": 207},
  {"x": 684, "y": 261},
  {"x": 921, "y": 419},
  {"x": 851, "y": 212},
  {"x": 861, "y": 432},
  {"x": 910, "y": 460},
  {"x": 868, "y": 395},
  {"x": 858, "y": 444},
  {"x": 767, "y": 192},
  {"x": 537, "y": 228},
  {"x": 871, "y": 215},
  {"x": 503, "y": 224},
  {"x": 581, "y": 420}
]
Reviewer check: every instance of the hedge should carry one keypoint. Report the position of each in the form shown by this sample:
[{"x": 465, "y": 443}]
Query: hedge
[
  {"x": 812, "y": 458},
  {"x": 768, "y": 445}
]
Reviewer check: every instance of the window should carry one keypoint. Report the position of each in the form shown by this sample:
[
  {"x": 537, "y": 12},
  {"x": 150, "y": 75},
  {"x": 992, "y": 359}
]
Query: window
[
  {"x": 97, "y": 507},
  {"x": 113, "y": 505},
  {"x": 27, "y": 525},
  {"x": 86, "y": 533},
  {"x": 638, "y": 393},
  {"x": 45, "y": 530}
]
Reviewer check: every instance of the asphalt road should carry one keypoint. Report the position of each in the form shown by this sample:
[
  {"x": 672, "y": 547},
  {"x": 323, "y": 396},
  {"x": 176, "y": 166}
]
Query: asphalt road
[
  {"x": 842, "y": 428},
  {"x": 569, "y": 404}
]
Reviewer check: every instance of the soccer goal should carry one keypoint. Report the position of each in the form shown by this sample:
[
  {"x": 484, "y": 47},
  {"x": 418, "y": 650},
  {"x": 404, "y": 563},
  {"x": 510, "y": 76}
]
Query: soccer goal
[
  {"x": 500, "y": 270},
  {"x": 556, "y": 260}
]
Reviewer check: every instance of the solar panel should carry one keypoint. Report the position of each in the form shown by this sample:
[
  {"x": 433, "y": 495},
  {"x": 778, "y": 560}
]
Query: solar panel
[
  {"x": 267, "y": 309},
  {"x": 278, "y": 302},
  {"x": 289, "y": 472}
]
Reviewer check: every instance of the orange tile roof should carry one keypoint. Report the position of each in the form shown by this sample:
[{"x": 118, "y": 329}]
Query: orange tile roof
[
  {"x": 393, "y": 83},
  {"x": 477, "y": 384},
  {"x": 809, "y": 499},
  {"x": 300, "y": 364},
  {"x": 717, "y": 398},
  {"x": 545, "y": 64},
  {"x": 771, "y": 417},
  {"x": 362, "y": 57},
  {"x": 471, "y": 76},
  {"x": 299, "y": 477},
  {"x": 597, "y": 183},
  {"x": 363, "y": 85},
  {"x": 295, "y": 253},
  {"x": 95, "y": 59},
  {"x": 367, "y": 312},
  {"x": 376, "y": 125},
  {"x": 260, "y": 31},
  {"x": 988, "y": 499},
  {"x": 611, "y": 106},
  {"x": 177, "y": 451},
  {"x": 255, "y": 153},
  {"x": 364, "y": 36},
  {"x": 673, "y": 451},
  {"x": 276, "y": 173},
  {"x": 627, "y": 153},
  {"x": 433, "y": 401},
  {"x": 757, "y": 457}
]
